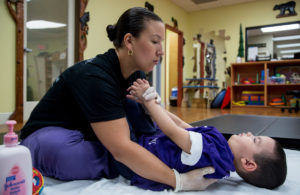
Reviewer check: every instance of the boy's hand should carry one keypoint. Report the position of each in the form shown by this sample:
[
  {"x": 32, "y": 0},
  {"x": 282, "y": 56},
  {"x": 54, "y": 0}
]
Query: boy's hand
[
  {"x": 137, "y": 90},
  {"x": 151, "y": 94}
]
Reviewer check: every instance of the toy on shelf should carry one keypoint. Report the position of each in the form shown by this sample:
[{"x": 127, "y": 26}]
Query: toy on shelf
[
  {"x": 262, "y": 77},
  {"x": 293, "y": 101},
  {"x": 257, "y": 79},
  {"x": 247, "y": 81},
  {"x": 277, "y": 79},
  {"x": 253, "y": 97},
  {"x": 295, "y": 78},
  {"x": 277, "y": 102},
  {"x": 37, "y": 182},
  {"x": 239, "y": 103}
]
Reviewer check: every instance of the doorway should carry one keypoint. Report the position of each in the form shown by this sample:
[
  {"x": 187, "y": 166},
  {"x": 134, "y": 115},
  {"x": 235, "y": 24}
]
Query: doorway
[
  {"x": 49, "y": 33},
  {"x": 174, "y": 63}
]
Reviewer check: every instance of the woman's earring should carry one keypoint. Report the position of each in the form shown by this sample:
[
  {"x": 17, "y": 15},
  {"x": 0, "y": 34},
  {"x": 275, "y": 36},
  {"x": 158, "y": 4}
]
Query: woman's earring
[{"x": 130, "y": 52}]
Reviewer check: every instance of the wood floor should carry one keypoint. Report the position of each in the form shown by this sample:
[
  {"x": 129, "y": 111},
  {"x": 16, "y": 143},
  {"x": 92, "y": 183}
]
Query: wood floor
[{"x": 193, "y": 114}]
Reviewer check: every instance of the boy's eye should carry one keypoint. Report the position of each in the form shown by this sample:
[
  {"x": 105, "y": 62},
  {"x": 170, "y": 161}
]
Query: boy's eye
[{"x": 155, "y": 42}]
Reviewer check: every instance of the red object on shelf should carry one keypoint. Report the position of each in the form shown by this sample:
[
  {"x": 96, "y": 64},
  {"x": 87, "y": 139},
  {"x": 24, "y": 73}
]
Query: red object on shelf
[{"x": 247, "y": 81}]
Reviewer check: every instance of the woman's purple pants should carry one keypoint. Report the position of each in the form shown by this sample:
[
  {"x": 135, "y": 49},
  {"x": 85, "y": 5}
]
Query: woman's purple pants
[{"x": 65, "y": 155}]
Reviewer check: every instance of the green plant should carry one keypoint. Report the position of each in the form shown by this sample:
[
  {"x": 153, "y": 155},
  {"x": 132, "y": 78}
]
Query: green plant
[{"x": 241, "y": 47}]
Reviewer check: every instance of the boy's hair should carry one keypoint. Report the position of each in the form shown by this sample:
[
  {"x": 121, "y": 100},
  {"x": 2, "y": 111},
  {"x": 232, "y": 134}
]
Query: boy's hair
[{"x": 271, "y": 169}]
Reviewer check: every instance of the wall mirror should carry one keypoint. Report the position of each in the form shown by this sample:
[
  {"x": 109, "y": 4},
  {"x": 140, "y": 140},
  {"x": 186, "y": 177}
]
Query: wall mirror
[
  {"x": 52, "y": 33},
  {"x": 273, "y": 42}
]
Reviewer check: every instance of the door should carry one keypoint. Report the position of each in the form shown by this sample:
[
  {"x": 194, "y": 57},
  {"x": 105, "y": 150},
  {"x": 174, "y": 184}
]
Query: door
[
  {"x": 174, "y": 63},
  {"x": 49, "y": 46}
]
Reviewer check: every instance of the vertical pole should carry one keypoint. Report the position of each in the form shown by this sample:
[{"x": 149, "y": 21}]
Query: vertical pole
[
  {"x": 82, "y": 29},
  {"x": 18, "y": 16}
]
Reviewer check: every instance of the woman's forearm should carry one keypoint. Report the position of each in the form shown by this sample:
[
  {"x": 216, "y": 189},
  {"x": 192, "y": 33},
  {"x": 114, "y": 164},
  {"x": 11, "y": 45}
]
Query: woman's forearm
[
  {"x": 145, "y": 164},
  {"x": 115, "y": 136}
]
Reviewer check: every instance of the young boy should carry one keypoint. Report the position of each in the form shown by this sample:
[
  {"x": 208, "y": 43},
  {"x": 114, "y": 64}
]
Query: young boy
[{"x": 259, "y": 160}]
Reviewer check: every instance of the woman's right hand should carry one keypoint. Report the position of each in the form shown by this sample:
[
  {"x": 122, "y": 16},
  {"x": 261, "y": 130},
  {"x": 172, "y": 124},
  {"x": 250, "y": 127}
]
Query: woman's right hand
[{"x": 194, "y": 180}]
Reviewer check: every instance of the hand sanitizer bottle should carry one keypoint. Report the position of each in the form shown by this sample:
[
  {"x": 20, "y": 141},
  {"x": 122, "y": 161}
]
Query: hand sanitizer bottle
[{"x": 15, "y": 165}]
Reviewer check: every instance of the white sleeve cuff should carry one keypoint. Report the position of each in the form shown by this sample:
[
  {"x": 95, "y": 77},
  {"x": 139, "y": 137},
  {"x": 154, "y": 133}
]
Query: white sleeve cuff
[{"x": 196, "y": 149}]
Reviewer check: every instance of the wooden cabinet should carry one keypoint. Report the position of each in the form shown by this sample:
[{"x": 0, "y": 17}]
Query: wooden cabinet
[{"x": 255, "y": 77}]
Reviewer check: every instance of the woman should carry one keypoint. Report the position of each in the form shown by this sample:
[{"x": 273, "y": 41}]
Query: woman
[{"x": 79, "y": 128}]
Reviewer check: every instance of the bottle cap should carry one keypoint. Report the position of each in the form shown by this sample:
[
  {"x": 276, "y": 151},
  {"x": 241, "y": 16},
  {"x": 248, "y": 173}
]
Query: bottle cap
[{"x": 11, "y": 138}]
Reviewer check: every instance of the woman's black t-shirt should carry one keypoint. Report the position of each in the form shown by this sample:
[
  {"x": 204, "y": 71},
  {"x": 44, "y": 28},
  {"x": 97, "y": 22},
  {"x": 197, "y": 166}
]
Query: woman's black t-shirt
[{"x": 90, "y": 91}]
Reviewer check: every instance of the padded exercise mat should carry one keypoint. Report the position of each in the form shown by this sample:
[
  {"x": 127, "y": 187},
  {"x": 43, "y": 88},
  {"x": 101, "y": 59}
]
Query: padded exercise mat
[
  {"x": 284, "y": 129},
  {"x": 288, "y": 127}
]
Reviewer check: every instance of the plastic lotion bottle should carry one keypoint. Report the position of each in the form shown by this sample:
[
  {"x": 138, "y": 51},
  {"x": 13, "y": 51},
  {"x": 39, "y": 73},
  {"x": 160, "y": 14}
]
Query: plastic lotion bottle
[{"x": 15, "y": 165}]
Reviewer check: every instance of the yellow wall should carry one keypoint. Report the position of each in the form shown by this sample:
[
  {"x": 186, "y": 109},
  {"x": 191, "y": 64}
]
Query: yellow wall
[
  {"x": 101, "y": 15},
  {"x": 7, "y": 60},
  {"x": 106, "y": 12}
]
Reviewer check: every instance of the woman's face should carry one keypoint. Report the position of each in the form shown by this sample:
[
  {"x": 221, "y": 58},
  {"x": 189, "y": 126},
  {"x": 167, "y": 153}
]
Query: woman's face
[{"x": 147, "y": 48}]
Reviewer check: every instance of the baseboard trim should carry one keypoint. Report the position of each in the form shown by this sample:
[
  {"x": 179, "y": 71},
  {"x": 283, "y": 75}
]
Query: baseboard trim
[{"x": 4, "y": 117}]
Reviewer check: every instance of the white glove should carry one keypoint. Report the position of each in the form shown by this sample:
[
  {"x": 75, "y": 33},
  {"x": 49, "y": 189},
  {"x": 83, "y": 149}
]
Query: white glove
[
  {"x": 151, "y": 94},
  {"x": 193, "y": 180}
]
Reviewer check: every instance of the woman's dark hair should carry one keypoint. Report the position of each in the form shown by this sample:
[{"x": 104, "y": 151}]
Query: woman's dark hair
[
  {"x": 131, "y": 21},
  {"x": 271, "y": 169}
]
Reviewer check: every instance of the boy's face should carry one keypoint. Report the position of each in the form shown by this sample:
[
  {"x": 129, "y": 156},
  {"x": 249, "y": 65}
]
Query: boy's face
[{"x": 247, "y": 145}]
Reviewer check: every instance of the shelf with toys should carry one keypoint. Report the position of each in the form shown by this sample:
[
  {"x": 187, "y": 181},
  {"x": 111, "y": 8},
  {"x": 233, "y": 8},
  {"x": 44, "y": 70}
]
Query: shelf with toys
[{"x": 265, "y": 84}]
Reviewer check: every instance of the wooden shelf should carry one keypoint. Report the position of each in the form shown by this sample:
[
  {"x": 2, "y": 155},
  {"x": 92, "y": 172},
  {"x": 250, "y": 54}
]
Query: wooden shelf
[
  {"x": 248, "y": 106},
  {"x": 245, "y": 85},
  {"x": 248, "y": 63},
  {"x": 277, "y": 106},
  {"x": 254, "y": 70},
  {"x": 284, "y": 85}
]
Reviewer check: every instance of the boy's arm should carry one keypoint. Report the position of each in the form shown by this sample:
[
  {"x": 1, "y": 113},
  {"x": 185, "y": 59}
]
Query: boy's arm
[
  {"x": 176, "y": 133},
  {"x": 166, "y": 121},
  {"x": 178, "y": 120},
  {"x": 150, "y": 93}
]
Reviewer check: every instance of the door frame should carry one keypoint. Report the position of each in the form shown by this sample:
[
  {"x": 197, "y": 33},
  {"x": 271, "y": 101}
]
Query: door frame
[{"x": 179, "y": 64}]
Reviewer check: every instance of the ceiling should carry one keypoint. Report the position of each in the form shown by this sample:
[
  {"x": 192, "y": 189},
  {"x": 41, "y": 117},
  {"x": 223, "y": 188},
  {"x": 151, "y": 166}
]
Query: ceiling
[
  {"x": 196, "y": 5},
  {"x": 50, "y": 10}
]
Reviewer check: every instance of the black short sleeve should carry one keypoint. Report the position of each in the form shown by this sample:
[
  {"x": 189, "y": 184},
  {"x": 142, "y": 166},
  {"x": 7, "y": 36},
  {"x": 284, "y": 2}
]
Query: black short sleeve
[{"x": 99, "y": 96}]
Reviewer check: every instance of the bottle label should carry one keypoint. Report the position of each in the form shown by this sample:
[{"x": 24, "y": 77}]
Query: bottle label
[{"x": 14, "y": 182}]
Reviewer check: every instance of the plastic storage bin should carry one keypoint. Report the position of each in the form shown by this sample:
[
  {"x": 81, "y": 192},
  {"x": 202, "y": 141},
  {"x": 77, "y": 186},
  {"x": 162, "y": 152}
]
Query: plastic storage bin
[{"x": 276, "y": 80}]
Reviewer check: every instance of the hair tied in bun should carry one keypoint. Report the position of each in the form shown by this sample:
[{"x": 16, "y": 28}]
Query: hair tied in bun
[{"x": 111, "y": 32}]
